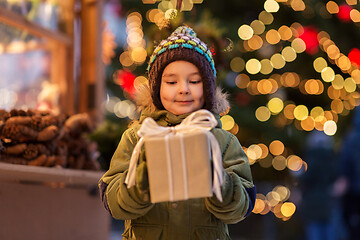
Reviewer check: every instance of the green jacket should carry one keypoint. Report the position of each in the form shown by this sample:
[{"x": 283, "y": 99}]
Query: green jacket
[{"x": 203, "y": 218}]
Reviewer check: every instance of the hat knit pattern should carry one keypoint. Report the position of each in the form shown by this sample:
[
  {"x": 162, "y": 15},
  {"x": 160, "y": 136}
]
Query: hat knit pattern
[{"x": 184, "y": 45}]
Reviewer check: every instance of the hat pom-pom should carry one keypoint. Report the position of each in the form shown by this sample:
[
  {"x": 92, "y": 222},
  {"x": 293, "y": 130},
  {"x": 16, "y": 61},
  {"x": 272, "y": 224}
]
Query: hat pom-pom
[{"x": 185, "y": 30}]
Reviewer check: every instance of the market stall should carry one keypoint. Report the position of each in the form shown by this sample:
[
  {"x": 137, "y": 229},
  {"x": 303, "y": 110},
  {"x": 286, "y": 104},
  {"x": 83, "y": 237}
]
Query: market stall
[{"x": 51, "y": 91}]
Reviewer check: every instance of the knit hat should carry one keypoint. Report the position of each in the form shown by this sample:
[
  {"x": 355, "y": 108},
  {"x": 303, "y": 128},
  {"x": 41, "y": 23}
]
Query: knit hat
[{"x": 182, "y": 44}]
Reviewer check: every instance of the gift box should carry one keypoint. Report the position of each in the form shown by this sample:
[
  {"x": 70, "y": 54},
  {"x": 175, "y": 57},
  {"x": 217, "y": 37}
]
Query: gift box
[
  {"x": 180, "y": 159},
  {"x": 178, "y": 166}
]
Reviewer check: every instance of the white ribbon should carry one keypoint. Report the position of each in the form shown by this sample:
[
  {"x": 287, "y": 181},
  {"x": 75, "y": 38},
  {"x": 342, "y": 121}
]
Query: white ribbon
[{"x": 201, "y": 120}]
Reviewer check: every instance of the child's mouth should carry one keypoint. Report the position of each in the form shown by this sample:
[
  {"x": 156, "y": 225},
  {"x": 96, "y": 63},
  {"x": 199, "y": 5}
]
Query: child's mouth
[{"x": 184, "y": 102}]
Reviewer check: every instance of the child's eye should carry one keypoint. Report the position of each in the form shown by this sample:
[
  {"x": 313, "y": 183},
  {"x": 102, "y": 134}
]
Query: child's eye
[
  {"x": 171, "y": 82},
  {"x": 195, "y": 81}
]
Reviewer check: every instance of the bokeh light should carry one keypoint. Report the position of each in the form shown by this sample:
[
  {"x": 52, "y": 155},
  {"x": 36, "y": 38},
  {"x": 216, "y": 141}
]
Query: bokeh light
[
  {"x": 301, "y": 112},
  {"x": 275, "y": 105},
  {"x": 227, "y": 122},
  {"x": 262, "y": 114},
  {"x": 330, "y": 128},
  {"x": 253, "y": 66},
  {"x": 288, "y": 209},
  {"x": 245, "y": 32},
  {"x": 276, "y": 147}
]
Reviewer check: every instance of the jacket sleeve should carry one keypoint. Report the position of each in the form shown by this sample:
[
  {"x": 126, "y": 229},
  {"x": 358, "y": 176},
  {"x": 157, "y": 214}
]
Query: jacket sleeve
[
  {"x": 238, "y": 190},
  {"x": 122, "y": 202}
]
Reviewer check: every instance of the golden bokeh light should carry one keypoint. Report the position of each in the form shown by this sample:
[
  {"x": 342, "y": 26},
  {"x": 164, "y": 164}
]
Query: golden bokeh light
[
  {"x": 317, "y": 113},
  {"x": 333, "y": 52},
  {"x": 278, "y": 61},
  {"x": 255, "y": 42},
  {"x": 308, "y": 124},
  {"x": 289, "y": 111},
  {"x": 275, "y": 105},
  {"x": 165, "y": 5},
  {"x": 125, "y": 59},
  {"x": 264, "y": 150},
  {"x": 350, "y": 85},
  {"x": 279, "y": 163},
  {"x": 148, "y": 1},
  {"x": 134, "y": 17},
  {"x": 285, "y": 33},
  {"x": 355, "y": 74},
  {"x": 289, "y": 54},
  {"x": 328, "y": 74},
  {"x": 253, "y": 66},
  {"x": 150, "y": 15},
  {"x": 333, "y": 93},
  {"x": 355, "y": 15},
  {"x": 314, "y": 87},
  {"x": 298, "y": 5},
  {"x": 235, "y": 129},
  {"x": 344, "y": 63},
  {"x": 262, "y": 114},
  {"x": 288, "y": 209},
  {"x": 273, "y": 36},
  {"x": 139, "y": 81},
  {"x": 298, "y": 45},
  {"x": 351, "y": 2},
  {"x": 276, "y": 147},
  {"x": 290, "y": 79},
  {"x": 283, "y": 191},
  {"x": 245, "y": 32},
  {"x": 271, "y": 6},
  {"x": 227, "y": 122},
  {"x": 237, "y": 64},
  {"x": 242, "y": 80},
  {"x": 139, "y": 55},
  {"x": 330, "y": 128},
  {"x": 252, "y": 87},
  {"x": 257, "y": 26},
  {"x": 254, "y": 152},
  {"x": 266, "y": 17},
  {"x": 338, "y": 82},
  {"x": 332, "y": 7},
  {"x": 265, "y": 86},
  {"x": 294, "y": 163},
  {"x": 266, "y": 66},
  {"x": 337, "y": 106},
  {"x": 259, "y": 206},
  {"x": 319, "y": 64},
  {"x": 301, "y": 112},
  {"x": 273, "y": 198}
]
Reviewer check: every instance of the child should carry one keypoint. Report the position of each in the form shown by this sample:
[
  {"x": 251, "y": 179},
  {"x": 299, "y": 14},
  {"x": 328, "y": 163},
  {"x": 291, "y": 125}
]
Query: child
[{"x": 181, "y": 80}]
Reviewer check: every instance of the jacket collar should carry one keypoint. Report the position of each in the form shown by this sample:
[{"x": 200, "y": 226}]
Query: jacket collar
[{"x": 166, "y": 119}]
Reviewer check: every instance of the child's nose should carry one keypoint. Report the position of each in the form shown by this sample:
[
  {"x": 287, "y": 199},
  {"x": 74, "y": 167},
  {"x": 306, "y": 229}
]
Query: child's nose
[{"x": 184, "y": 88}]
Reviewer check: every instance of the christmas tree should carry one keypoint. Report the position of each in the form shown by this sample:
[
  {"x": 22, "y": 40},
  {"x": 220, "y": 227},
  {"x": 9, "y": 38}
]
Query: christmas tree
[{"x": 290, "y": 66}]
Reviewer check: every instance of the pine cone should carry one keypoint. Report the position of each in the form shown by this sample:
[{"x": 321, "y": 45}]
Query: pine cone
[
  {"x": 36, "y": 123},
  {"x": 4, "y": 115},
  {"x": 19, "y": 132},
  {"x": 31, "y": 152}
]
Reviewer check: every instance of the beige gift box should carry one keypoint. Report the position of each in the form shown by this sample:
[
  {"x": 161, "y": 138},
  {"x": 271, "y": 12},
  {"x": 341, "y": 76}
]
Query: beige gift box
[
  {"x": 179, "y": 167},
  {"x": 178, "y": 158}
]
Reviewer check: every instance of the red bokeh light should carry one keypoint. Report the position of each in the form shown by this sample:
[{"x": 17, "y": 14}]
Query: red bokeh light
[
  {"x": 125, "y": 78},
  {"x": 344, "y": 13},
  {"x": 309, "y": 36},
  {"x": 354, "y": 56}
]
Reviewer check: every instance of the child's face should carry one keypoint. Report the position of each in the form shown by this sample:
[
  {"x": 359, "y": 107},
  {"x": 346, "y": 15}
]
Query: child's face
[{"x": 181, "y": 89}]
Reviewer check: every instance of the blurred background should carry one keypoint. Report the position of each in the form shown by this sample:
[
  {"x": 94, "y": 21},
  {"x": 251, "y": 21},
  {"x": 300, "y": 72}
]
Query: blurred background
[{"x": 291, "y": 68}]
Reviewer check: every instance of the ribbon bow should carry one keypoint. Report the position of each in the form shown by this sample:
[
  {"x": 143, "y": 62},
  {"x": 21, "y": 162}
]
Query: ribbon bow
[{"x": 201, "y": 120}]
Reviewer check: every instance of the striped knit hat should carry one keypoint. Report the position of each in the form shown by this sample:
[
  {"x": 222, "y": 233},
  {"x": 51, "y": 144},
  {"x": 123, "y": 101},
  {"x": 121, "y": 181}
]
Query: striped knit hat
[{"x": 182, "y": 44}]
